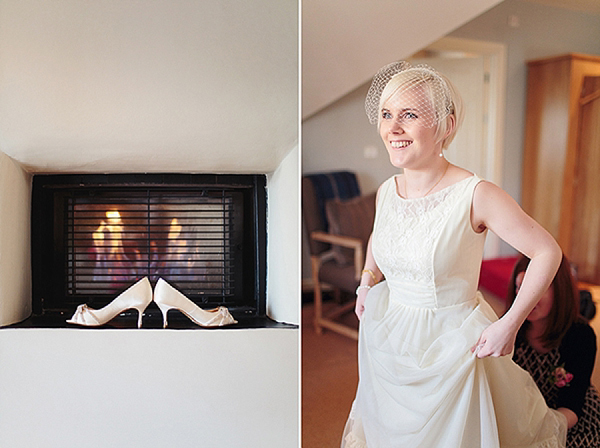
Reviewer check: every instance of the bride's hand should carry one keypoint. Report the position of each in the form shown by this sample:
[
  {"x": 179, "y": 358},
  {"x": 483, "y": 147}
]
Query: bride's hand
[
  {"x": 496, "y": 340},
  {"x": 359, "y": 308}
]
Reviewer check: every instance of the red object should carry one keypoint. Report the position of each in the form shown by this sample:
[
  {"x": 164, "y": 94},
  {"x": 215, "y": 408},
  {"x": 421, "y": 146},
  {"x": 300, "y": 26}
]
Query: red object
[{"x": 495, "y": 275}]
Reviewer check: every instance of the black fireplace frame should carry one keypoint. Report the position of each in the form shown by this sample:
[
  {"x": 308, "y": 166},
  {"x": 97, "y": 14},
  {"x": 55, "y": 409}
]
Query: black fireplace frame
[{"x": 49, "y": 190}]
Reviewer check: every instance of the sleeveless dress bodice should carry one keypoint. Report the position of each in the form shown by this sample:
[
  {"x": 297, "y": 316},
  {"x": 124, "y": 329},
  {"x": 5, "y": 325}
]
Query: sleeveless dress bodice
[
  {"x": 420, "y": 385},
  {"x": 417, "y": 242}
]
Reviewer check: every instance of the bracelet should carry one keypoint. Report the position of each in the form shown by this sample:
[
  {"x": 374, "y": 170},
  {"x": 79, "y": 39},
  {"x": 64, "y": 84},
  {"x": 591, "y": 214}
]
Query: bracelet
[
  {"x": 362, "y": 287},
  {"x": 371, "y": 273}
]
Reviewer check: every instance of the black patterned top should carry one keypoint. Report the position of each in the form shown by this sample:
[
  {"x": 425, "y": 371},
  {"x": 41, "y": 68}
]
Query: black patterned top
[{"x": 563, "y": 376}]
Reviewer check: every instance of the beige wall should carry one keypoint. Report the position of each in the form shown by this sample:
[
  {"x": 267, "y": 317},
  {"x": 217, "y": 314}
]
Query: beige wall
[
  {"x": 345, "y": 41},
  {"x": 15, "y": 264},
  {"x": 542, "y": 31}
]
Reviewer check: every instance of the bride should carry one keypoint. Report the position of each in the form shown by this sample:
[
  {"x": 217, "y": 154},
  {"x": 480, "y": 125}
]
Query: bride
[{"x": 432, "y": 364}]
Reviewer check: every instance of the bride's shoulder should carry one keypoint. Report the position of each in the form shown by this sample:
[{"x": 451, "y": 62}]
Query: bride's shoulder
[
  {"x": 490, "y": 198},
  {"x": 389, "y": 183},
  {"x": 457, "y": 174}
]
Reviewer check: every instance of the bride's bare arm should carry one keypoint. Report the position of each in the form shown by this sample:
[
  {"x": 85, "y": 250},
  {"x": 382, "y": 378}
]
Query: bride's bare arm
[
  {"x": 494, "y": 209},
  {"x": 367, "y": 280}
]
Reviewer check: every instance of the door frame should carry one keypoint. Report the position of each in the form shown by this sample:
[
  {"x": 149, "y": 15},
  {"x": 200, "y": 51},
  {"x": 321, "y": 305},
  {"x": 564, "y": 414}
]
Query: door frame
[{"x": 494, "y": 57}]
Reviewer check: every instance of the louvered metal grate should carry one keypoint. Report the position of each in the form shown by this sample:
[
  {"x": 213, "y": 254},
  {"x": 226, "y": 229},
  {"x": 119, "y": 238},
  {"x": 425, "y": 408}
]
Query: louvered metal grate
[
  {"x": 114, "y": 238},
  {"x": 94, "y": 235}
]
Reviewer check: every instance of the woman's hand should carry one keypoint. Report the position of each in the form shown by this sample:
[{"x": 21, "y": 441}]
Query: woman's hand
[
  {"x": 570, "y": 416},
  {"x": 496, "y": 340},
  {"x": 359, "y": 308}
]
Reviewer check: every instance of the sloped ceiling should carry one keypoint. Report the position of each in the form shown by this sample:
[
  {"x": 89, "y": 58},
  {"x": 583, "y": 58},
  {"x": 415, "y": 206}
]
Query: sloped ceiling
[
  {"x": 345, "y": 42},
  {"x": 148, "y": 86}
]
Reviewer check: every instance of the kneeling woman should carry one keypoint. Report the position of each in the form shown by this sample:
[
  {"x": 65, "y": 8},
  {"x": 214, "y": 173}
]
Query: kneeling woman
[{"x": 558, "y": 348}]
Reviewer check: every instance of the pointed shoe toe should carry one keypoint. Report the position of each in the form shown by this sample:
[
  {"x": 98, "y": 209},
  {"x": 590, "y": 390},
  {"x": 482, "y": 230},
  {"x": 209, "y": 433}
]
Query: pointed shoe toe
[
  {"x": 84, "y": 315},
  {"x": 168, "y": 298},
  {"x": 224, "y": 317},
  {"x": 138, "y": 297}
]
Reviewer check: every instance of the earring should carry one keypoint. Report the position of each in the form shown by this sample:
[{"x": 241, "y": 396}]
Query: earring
[{"x": 441, "y": 155}]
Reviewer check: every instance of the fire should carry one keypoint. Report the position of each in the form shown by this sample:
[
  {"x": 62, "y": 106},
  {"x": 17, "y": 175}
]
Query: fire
[
  {"x": 174, "y": 230},
  {"x": 114, "y": 217},
  {"x": 121, "y": 257}
]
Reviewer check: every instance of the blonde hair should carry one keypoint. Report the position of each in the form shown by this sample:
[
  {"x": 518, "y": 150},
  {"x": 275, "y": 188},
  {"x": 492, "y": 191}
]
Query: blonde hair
[{"x": 438, "y": 91}]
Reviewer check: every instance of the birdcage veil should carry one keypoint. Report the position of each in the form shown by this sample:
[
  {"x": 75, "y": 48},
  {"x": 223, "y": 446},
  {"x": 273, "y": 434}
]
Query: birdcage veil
[{"x": 421, "y": 87}]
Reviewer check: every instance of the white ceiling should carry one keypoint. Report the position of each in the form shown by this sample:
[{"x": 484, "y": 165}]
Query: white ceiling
[{"x": 148, "y": 86}]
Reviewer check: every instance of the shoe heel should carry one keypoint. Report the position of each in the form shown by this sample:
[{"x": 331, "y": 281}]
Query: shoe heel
[
  {"x": 140, "y": 314},
  {"x": 164, "y": 309},
  {"x": 140, "y": 311}
]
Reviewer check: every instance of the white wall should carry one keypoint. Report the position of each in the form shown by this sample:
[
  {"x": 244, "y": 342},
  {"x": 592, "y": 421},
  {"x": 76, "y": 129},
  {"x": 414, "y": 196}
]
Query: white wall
[
  {"x": 283, "y": 230},
  {"x": 338, "y": 137},
  {"x": 15, "y": 264},
  {"x": 75, "y": 388},
  {"x": 147, "y": 86}
]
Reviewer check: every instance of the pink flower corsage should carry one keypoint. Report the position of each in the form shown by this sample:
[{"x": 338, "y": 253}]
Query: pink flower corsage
[{"x": 560, "y": 377}]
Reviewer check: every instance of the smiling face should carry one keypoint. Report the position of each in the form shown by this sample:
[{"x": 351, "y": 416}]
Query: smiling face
[
  {"x": 408, "y": 130},
  {"x": 541, "y": 311}
]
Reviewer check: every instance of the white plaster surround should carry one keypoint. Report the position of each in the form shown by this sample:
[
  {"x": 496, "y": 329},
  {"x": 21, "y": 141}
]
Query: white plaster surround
[
  {"x": 70, "y": 388},
  {"x": 15, "y": 260}
]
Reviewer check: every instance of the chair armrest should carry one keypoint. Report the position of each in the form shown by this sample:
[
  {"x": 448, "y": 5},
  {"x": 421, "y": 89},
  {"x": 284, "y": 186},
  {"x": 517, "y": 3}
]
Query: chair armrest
[
  {"x": 345, "y": 241},
  {"x": 339, "y": 240}
]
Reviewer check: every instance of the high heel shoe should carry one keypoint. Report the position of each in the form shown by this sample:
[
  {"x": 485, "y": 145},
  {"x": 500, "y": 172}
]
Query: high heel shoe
[
  {"x": 137, "y": 296},
  {"x": 167, "y": 298}
]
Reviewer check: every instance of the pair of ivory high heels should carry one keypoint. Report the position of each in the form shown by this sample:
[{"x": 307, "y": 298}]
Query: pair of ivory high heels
[{"x": 139, "y": 296}]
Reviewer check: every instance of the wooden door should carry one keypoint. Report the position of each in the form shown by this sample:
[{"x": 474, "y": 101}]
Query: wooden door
[{"x": 585, "y": 236}]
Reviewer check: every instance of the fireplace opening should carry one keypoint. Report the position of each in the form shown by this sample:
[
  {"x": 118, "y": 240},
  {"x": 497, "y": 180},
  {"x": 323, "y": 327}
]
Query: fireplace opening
[{"x": 93, "y": 236}]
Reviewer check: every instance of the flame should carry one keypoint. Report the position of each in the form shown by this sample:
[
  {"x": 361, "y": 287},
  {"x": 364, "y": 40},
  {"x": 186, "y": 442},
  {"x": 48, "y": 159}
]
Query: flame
[
  {"x": 98, "y": 235},
  {"x": 174, "y": 230},
  {"x": 114, "y": 217},
  {"x": 112, "y": 229}
]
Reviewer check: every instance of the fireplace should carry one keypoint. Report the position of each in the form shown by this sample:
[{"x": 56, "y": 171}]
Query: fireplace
[{"x": 93, "y": 236}]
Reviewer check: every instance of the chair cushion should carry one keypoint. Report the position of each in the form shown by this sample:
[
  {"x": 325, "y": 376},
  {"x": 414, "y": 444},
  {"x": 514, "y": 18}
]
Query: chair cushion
[
  {"x": 333, "y": 185},
  {"x": 353, "y": 217}
]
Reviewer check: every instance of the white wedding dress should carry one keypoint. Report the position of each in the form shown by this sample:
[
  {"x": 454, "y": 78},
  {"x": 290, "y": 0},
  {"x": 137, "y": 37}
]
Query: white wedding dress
[{"x": 420, "y": 385}]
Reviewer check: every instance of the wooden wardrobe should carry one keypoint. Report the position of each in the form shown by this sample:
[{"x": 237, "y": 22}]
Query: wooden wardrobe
[{"x": 561, "y": 171}]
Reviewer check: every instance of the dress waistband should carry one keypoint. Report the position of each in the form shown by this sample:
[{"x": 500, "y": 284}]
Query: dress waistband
[{"x": 428, "y": 297}]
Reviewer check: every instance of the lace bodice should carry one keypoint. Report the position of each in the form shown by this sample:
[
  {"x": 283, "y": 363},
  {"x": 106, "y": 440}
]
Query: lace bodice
[{"x": 418, "y": 242}]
